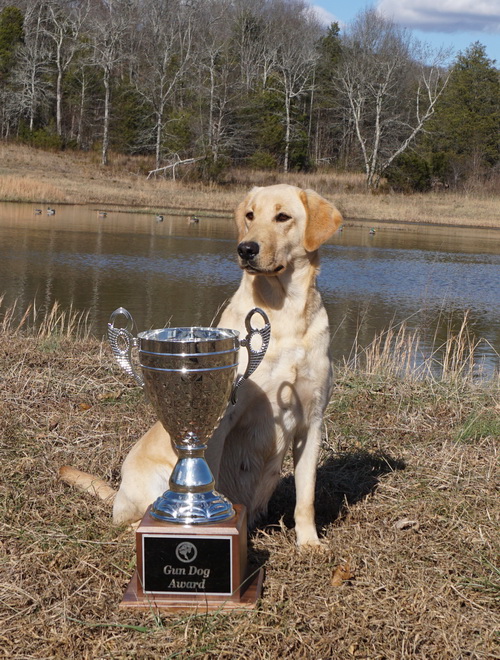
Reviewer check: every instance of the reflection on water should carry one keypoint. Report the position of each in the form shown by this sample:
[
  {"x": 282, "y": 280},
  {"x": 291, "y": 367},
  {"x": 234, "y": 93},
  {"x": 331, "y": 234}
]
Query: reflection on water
[{"x": 180, "y": 273}]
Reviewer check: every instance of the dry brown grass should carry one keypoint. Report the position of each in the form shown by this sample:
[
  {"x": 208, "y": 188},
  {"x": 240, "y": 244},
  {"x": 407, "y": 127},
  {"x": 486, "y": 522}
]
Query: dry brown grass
[
  {"x": 59, "y": 322},
  {"x": 15, "y": 188},
  {"x": 447, "y": 208},
  {"x": 396, "y": 353},
  {"x": 71, "y": 177},
  {"x": 407, "y": 498},
  {"x": 36, "y": 176}
]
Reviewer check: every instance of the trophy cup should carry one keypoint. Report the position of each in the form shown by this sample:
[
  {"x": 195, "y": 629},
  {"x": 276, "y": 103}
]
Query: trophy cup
[{"x": 191, "y": 543}]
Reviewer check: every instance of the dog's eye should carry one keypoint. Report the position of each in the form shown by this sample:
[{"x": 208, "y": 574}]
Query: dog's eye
[
  {"x": 249, "y": 215},
  {"x": 282, "y": 217}
]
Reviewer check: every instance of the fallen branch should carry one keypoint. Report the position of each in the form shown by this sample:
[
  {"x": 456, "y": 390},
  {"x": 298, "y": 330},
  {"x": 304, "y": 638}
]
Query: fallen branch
[{"x": 172, "y": 166}]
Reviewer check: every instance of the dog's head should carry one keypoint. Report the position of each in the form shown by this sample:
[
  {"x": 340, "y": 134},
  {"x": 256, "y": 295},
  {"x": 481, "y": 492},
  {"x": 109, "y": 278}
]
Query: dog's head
[{"x": 277, "y": 224}]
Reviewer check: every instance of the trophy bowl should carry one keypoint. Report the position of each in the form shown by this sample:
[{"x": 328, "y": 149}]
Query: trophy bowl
[{"x": 189, "y": 375}]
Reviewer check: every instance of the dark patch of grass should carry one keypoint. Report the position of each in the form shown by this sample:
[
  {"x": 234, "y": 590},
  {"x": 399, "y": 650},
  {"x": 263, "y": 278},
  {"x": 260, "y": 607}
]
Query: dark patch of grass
[{"x": 480, "y": 424}]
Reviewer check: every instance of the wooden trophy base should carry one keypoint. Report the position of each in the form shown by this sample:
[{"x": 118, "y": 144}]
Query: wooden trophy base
[{"x": 193, "y": 567}]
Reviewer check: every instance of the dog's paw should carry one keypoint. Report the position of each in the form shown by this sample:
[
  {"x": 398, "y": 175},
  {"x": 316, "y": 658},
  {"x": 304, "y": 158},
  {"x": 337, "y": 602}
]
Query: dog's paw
[
  {"x": 314, "y": 546},
  {"x": 308, "y": 540}
]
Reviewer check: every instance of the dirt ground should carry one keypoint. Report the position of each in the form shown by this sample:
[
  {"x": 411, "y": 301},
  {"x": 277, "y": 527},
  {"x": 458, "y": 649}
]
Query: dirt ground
[{"x": 407, "y": 506}]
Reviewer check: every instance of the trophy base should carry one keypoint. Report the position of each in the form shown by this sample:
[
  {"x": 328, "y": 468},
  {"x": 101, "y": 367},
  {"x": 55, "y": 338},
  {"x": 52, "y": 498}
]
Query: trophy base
[
  {"x": 193, "y": 567},
  {"x": 192, "y": 508}
]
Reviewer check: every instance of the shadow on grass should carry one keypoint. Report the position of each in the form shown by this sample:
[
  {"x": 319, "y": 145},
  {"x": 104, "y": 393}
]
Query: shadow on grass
[{"x": 341, "y": 482}]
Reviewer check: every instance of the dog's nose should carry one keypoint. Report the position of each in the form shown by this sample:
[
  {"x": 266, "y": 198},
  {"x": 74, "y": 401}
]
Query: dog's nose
[{"x": 248, "y": 250}]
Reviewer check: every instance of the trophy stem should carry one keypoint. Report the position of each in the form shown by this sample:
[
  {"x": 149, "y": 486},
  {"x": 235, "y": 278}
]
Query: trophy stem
[{"x": 191, "y": 498}]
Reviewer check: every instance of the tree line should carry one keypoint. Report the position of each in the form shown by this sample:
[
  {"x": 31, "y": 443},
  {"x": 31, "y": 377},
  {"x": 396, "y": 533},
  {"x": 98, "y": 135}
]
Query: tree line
[{"x": 253, "y": 83}]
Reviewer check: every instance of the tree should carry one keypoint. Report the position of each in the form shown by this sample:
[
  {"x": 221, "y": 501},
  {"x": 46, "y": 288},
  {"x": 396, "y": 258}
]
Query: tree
[
  {"x": 256, "y": 110},
  {"x": 329, "y": 126},
  {"x": 295, "y": 60},
  {"x": 466, "y": 127},
  {"x": 63, "y": 28},
  {"x": 217, "y": 74},
  {"x": 31, "y": 78},
  {"x": 164, "y": 54},
  {"x": 11, "y": 35},
  {"x": 250, "y": 45},
  {"x": 245, "y": 81},
  {"x": 82, "y": 90},
  {"x": 109, "y": 30},
  {"x": 390, "y": 88}
]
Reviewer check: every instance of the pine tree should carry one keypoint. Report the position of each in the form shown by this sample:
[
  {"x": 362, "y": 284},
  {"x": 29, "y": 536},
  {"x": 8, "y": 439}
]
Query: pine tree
[
  {"x": 465, "y": 131},
  {"x": 11, "y": 34}
]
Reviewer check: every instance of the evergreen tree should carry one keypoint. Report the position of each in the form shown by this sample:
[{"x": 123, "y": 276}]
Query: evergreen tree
[
  {"x": 11, "y": 34},
  {"x": 331, "y": 138},
  {"x": 465, "y": 131}
]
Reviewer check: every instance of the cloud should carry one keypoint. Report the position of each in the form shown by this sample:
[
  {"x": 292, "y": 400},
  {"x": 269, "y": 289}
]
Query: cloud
[
  {"x": 445, "y": 16},
  {"x": 325, "y": 17}
]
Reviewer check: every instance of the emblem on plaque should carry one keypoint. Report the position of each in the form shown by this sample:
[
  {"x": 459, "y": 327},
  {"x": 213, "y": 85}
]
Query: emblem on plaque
[{"x": 186, "y": 551}]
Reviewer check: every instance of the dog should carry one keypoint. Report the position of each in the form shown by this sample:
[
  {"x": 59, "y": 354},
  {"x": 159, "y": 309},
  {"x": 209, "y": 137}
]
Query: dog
[{"x": 280, "y": 229}]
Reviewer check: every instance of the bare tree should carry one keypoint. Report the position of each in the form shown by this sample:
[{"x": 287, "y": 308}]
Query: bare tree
[
  {"x": 81, "y": 70},
  {"x": 295, "y": 58},
  {"x": 217, "y": 74},
  {"x": 241, "y": 78},
  {"x": 108, "y": 29},
  {"x": 390, "y": 86},
  {"x": 251, "y": 34},
  {"x": 164, "y": 53},
  {"x": 30, "y": 76},
  {"x": 63, "y": 28}
]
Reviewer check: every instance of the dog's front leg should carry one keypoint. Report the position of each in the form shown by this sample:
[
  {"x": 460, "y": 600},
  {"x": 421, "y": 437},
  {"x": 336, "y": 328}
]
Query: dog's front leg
[
  {"x": 215, "y": 447},
  {"x": 305, "y": 455}
]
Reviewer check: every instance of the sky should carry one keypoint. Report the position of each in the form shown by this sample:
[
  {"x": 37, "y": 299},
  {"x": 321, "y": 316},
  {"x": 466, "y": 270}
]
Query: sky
[{"x": 453, "y": 24}]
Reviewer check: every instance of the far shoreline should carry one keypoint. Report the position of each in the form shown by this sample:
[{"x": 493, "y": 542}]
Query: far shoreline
[
  {"x": 396, "y": 224},
  {"x": 43, "y": 178}
]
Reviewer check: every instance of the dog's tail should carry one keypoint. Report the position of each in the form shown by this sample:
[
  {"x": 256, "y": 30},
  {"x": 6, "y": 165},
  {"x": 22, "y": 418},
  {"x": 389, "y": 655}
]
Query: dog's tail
[{"x": 87, "y": 483}]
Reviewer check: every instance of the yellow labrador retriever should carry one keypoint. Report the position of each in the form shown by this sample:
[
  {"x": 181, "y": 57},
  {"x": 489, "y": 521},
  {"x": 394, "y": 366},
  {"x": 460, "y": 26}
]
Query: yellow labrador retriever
[{"x": 280, "y": 230}]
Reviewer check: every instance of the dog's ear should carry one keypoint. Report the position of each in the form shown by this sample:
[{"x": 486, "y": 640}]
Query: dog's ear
[
  {"x": 323, "y": 219},
  {"x": 239, "y": 214}
]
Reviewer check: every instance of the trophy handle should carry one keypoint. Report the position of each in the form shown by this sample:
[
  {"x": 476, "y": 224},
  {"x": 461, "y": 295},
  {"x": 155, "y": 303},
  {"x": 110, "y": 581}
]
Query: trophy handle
[
  {"x": 255, "y": 356},
  {"x": 122, "y": 341}
]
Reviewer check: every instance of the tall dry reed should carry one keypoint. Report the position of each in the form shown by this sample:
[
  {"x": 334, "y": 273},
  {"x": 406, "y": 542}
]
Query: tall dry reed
[
  {"x": 397, "y": 353},
  {"x": 54, "y": 322}
]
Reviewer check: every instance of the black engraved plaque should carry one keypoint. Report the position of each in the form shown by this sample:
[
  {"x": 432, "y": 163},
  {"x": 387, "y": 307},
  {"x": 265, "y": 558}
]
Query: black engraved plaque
[{"x": 187, "y": 564}]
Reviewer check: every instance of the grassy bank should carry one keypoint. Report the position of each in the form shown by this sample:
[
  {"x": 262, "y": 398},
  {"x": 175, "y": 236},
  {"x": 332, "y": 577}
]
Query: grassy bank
[
  {"x": 407, "y": 502},
  {"x": 39, "y": 177}
]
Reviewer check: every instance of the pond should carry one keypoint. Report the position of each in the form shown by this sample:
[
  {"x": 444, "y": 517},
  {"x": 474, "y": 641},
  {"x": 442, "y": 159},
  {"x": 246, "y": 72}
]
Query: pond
[{"x": 179, "y": 273}]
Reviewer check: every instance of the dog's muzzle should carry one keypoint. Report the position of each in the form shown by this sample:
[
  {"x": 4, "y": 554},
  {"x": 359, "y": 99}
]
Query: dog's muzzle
[{"x": 248, "y": 250}]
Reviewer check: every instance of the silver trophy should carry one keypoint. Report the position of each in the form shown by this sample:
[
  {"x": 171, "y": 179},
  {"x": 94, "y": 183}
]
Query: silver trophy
[{"x": 189, "y": 375}]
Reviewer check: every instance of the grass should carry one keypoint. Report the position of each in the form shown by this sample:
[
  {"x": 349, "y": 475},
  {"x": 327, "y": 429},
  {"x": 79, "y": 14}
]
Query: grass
[
  {"x": 39, "y": 177},
  {"x": 396, "y": 352},
  {"x": 407, "y": 504},
  {"x": 54, "y": 324}
]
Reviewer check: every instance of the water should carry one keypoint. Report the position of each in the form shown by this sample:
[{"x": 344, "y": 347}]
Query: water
[{"x": 180, "y": 274}]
